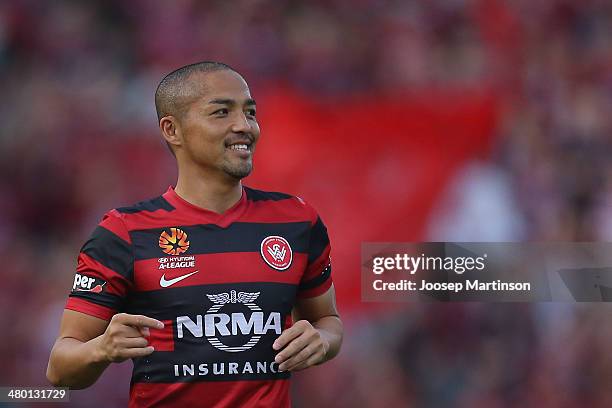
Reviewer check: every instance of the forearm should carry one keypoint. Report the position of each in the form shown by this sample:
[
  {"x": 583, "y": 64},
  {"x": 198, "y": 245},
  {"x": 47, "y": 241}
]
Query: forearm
[
  {"x": 330, "y": 328},
  {"x": 75, "y": 364}
]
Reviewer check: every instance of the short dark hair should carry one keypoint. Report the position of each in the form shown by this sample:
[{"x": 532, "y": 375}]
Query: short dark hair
[{"x": 170, "y": 93}]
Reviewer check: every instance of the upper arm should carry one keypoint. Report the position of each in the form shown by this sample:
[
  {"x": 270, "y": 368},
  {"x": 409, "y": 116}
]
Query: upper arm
[
  {"x": 104, "y": 274},
  {"x": 81, "y": 326},
  {"x": 314, "y": 308},
  {"x": 316, "y": 279}
]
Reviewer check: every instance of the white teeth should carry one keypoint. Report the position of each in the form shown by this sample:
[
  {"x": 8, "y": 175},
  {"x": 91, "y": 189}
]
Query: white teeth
[{"x": 239, "y": 147}]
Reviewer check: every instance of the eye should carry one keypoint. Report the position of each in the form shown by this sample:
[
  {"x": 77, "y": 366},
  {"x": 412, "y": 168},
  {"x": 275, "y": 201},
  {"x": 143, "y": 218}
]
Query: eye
[
  {"x": 251, "y": 112},
  {"x": 221, "y": 112}
]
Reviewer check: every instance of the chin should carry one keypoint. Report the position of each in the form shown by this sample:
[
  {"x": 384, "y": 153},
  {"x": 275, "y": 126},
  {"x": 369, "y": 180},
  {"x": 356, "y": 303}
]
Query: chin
[{"x": 239, "y": 172}]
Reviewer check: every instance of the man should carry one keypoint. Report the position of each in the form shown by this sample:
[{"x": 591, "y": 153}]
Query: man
[{"x": 198, "y": 286}]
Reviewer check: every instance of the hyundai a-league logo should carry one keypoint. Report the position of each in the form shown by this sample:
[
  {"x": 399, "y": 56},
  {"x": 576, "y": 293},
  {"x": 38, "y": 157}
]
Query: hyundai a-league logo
[
  {"x": 277, "y": 252},
  {"x": 173, "y": 243}
]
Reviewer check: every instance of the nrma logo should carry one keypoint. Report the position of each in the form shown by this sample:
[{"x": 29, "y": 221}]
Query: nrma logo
[{"x": 238, "y": 332}]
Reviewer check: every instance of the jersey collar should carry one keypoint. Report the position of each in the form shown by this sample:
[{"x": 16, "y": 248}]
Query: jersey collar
[{"x": 203, "y": 215}]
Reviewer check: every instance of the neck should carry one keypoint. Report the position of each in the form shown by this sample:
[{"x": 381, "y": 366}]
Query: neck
[{"x": 208, "y": 192}]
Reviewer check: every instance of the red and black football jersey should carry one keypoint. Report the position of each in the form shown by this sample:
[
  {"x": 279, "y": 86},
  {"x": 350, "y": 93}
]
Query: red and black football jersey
[{"x": 223, "y": 284}]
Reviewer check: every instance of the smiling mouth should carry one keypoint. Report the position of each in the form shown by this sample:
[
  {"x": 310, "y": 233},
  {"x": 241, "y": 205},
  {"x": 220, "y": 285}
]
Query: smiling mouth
[
  {"x": 243, "y": 145},
  {"x": 240, "y": 147}
]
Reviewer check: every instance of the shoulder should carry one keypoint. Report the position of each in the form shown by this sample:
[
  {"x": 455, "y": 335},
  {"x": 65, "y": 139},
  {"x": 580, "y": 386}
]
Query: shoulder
[
  {"x": 120, "y": 220},
  {"x": 281, "y": 201},
  {"x": 260, "y": 195},
  {"x": 151, "y": 205}
]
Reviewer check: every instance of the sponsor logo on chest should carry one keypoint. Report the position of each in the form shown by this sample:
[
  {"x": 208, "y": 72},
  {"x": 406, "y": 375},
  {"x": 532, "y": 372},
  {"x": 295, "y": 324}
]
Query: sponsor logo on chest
[{"x": 235, "y": 330}]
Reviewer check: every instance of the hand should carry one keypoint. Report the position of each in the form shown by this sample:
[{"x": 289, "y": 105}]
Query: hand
[
  {"x": 302, "y": 347},
  {"x": 125, "y": 337}
]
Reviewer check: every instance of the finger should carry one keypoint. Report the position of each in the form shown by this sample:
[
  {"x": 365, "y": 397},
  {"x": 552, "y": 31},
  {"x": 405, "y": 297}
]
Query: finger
[
  {"x": 297, "y": 359},
  {"x": 144, "y": 331},
  {"x": 288, "y": 335},
  {"x": 137, "y": 352},
  {"x": 312, "y": 360},
  {"x": 133, "y": 342},
  {"x": 131, "y": 332},
  {"x": 140, "y": 321},
  {"x": 299, "y": 367},
  {"x": 293, "y": 348}
]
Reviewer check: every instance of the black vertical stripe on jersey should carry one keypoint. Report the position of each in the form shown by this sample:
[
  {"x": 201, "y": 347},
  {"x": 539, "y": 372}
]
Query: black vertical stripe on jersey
[
  {"x": 318, "y": 241},
  {"x": 111, "y": 251},
  {"x": 258, "y": 195},
  {"x": 103, "y": 299},
  {"x": 154, "y": 204},
  {"x": 316, "y": 281},
  {"x": 211, "y": 238}
]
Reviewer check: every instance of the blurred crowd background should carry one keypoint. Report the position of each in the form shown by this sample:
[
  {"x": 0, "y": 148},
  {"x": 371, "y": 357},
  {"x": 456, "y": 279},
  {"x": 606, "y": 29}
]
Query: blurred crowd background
[{"x": 465, "y": 120}]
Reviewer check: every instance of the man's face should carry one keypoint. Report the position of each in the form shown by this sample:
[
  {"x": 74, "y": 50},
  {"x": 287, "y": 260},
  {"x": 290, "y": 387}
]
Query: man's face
[{"x": 219, "y": 128}]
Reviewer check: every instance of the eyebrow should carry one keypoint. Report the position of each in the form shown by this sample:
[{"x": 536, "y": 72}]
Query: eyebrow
[{"x": 231, "y": 102}]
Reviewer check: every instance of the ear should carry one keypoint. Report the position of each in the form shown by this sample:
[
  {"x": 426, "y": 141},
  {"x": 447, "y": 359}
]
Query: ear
[{"x": 171, "y": 130}]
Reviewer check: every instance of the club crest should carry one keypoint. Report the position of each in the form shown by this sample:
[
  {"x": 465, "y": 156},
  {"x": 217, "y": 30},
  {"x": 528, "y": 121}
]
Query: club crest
[{"x": 277, "y": 252}]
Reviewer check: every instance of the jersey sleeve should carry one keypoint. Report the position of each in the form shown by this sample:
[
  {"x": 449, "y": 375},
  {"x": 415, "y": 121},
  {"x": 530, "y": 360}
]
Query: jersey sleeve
[
  {"x": 317, "y": 277},
  {"x": 104, "y": 273}
]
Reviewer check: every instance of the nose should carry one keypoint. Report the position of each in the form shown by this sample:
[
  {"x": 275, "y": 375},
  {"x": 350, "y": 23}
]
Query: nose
[{"x": 241, "y": 124}]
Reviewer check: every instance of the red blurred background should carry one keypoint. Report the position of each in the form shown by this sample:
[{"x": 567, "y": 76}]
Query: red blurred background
[{"x": 465, "y": 120}]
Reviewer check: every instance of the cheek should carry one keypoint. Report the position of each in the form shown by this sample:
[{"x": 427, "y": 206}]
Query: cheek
[
  {"x": 203, "y": 151},
  {"x": 255, "y": 130},
  {"x": 201, "y": 136}
]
